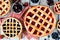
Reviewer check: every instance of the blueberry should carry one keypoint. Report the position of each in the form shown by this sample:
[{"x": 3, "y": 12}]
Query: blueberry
[
  {"x": 55, "y": 35},
  {"x": 35, "y": 1},
  {"x": 48, "y": 36},
  {"x": 50, "y": 2},
  {"x": 44, "y": 39},
  {"x": 17, "y": 7}
]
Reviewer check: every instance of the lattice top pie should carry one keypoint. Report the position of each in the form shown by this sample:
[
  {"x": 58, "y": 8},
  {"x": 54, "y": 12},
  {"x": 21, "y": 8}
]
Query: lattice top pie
[
  {"x": 57, "y": 7},
  {"x": 58, "y": 25},
  {"x": 39, "y": 21},
  {"x": 11, "y": 27},
  {"x": 4, "y": 7}
]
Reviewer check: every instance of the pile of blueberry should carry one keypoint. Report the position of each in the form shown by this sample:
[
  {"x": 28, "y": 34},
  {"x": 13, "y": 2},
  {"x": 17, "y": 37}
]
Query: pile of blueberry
[
  {"x": 54, "y": 35},
  {"x": 17, "y": 7}
]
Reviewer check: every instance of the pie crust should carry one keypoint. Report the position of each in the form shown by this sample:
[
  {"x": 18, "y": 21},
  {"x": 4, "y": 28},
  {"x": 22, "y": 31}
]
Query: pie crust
[{"x": 39, "y": 21}]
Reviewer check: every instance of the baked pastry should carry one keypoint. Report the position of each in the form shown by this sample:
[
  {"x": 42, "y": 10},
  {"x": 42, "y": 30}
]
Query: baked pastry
[
  {"x": 57, "y": 7},
  {"x": 11, "y": 27},
  {"x": 58, "y": 25},
  {"x": 39, "y": 21},
  {"x": 4, "y": 7}
]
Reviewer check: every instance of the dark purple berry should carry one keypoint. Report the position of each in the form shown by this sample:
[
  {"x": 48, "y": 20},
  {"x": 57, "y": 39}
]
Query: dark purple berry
[
  {"x": 54, "y": 35},
  {"x": 17, "y": 7},
  {"x": 50, "y": 2}
]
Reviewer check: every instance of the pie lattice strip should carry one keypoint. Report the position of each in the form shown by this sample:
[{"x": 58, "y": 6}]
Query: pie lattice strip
[
  {"x": 30, "y": 20},
  {"x": 14, "y": 27},
  {"x": 6, "y": 5}
]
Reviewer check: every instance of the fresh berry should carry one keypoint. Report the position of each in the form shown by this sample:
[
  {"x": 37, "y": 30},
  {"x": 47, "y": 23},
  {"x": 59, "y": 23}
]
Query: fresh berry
[
  {"x": 17, "y": 7},
  {"x": 25, "y": 4},
  {"x": 45, "y": 39},
  {"x": 55, "y": 35},
  {"x": 50, "y": 2},
  {"x": 35, "y": 1},
  {"x": 1, "y": 36}
]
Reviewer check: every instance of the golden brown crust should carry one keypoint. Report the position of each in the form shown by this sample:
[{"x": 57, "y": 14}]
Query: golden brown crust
[
  {"x": 57, "y": 8},
  {"x": 41, "y": 16},
  {"x": 58, "y": 25},
  {"x": 13, "y": 25},
  {"x": 4, "y": 7}
]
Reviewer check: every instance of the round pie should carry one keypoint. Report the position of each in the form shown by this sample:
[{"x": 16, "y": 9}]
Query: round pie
[
  {"x": 4, "y": 7},
  {"x": 39, "y": 21},
  {"x": 57, "y": 7},
  {"x": 11, "y": 27},
  {"x": 58, "y": 25}
]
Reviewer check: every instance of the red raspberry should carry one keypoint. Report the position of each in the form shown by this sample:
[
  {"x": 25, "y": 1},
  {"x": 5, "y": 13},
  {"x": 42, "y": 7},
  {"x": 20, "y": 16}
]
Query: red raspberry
[{"x": 25, "y": 4}]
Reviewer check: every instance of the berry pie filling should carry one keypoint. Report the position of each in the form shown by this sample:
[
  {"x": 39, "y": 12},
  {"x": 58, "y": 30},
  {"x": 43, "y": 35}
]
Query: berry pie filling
[
  {"x": 47, "y": 11},
  {"x": 0, "y": 2},
  {"x": 30, "y": 29},
  {"x": 42, "y": 28},
  {"x": 38, "y": 25},
  {"x": 17, "y": 7},
  {"x": 42, "y": 8},
  {"x": 4, "y": 7},
  {"x": 37, "y": 21},
  {"x": 58, "y": 26},
  {"x": 11, "y": 27},
  {"x": 35, "y": 32},
  {"x": 58, "y": 7}
]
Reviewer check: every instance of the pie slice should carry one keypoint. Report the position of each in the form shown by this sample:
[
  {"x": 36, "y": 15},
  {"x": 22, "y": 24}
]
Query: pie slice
[
  {"x": 4, "y": 7},
  {"x": 57, "y": 7},
  {"x": 39, "y": 21},
  {"x": 58, "y": 26},
  {"x": 11, "y": 27}
]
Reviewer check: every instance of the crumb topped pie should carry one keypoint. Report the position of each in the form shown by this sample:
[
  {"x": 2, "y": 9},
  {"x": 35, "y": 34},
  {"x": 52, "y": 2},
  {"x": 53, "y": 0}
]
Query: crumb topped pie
[
  {"x": 39, "y": 21},
  {"x": 11, "y": 27},
  {"x": 57, "y": 7},
  {"x": 4, "y": 7}
]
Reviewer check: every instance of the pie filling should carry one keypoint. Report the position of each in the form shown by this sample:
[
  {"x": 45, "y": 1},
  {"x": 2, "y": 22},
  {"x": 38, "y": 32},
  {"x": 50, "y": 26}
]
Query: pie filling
[
  {"x": 37, "y": 22},
  {"x": 4, "y": 7},
  {"x": 11, "y": 27},
  {"x": 58, "y": 6}
]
